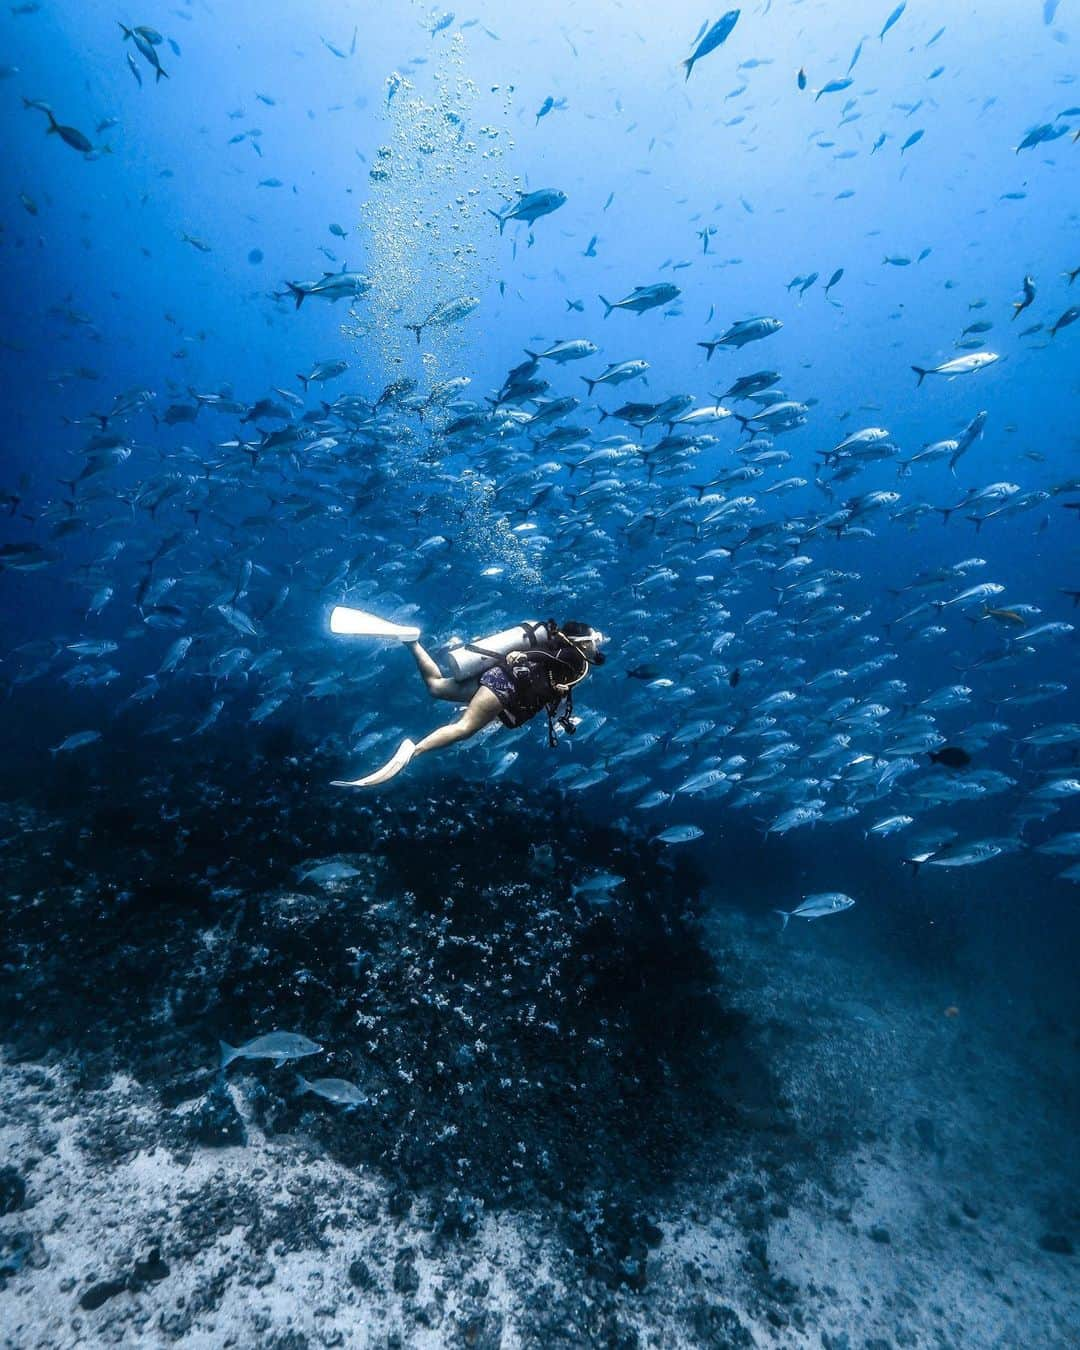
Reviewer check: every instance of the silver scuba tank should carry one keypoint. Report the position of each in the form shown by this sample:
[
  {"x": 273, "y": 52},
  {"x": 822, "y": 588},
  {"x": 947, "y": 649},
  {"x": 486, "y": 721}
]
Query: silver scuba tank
[{"x": 465, "y": 664}]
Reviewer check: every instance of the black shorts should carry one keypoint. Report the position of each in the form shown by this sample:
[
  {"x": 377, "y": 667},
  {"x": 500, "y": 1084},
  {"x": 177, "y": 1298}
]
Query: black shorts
[{"x": 501, "y": 684}]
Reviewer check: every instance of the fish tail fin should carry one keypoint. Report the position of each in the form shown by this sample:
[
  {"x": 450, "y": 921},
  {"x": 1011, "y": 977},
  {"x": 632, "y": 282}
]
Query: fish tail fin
[
  {"x": 54, "y": 127},
  {"x": 415, "y": 328},
  {"x": 710, "y": 347},
  {"x": 228, "y": 1053},
  {"x": 305, "y": 1086},
  {"x": 608, "y": 306},
  {"x": 500, "y": 219},
  {"x": 689, "y": 66},
  {"x": 160, "y": 74},
  {"x": 785, "y": 915},
  {"x": 533, "y": 355},
  {"x": 303, "y": 380},
  {"x": 744, "y": 422},
  {"x": 604, "y": 415},
  {"x": 589, "y": 382},
  {"x": 569, "y": 305},
  {"x": 127, "y": 32},
  {"x": 922, "y": 374}
]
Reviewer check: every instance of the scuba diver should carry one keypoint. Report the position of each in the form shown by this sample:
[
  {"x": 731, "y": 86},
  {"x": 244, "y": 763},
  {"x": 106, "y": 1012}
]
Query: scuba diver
[{"x": 511, "y": 676}]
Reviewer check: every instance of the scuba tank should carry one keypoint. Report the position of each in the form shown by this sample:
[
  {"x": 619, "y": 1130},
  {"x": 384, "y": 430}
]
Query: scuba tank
[{"x": 465, "y": 661}]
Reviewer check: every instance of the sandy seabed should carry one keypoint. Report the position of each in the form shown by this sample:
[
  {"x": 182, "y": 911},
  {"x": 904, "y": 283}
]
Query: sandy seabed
[{"x": 944, "y": 1219}]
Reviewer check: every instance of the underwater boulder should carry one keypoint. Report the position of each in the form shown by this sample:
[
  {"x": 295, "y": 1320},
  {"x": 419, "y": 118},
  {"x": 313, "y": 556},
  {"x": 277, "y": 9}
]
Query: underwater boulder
[
  {"x": 216, "y": 1122},
  {"x": 12, "y": 1190}
]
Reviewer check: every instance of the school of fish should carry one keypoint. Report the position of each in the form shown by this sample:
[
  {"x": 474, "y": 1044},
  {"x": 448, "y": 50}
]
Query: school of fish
[{"x": 717, "y": 532}]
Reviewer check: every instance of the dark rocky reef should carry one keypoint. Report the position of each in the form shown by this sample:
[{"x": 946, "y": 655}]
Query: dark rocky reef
[{"x": 519, "y": 1044}]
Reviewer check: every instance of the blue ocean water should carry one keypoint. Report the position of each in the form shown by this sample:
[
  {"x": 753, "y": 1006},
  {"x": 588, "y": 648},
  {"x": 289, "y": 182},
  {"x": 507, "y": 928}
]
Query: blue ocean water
[{"x": 840, "y": 602}]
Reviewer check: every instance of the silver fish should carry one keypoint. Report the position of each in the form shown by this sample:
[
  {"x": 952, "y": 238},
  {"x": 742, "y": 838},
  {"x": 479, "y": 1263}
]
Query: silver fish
[
  {"x": 817, "y": 907},
  {"x": 277, "y": 1046}
]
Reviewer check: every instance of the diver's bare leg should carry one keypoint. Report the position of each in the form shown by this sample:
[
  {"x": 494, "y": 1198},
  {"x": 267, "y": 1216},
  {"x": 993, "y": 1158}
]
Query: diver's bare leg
[
  {"x": 438, "y": 685},
  {"x": 484, "y": 707},
  {"x": 425, "y": 663}
]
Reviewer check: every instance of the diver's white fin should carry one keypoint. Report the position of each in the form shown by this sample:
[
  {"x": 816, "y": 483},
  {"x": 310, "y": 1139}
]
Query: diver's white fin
[
  {"x": 391, "y": 769},
  {"x": 357, "y": 623}
]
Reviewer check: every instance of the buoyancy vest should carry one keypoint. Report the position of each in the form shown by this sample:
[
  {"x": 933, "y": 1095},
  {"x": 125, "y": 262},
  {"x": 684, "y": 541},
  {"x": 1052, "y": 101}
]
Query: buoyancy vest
[{"x": 533, "y": 674}]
